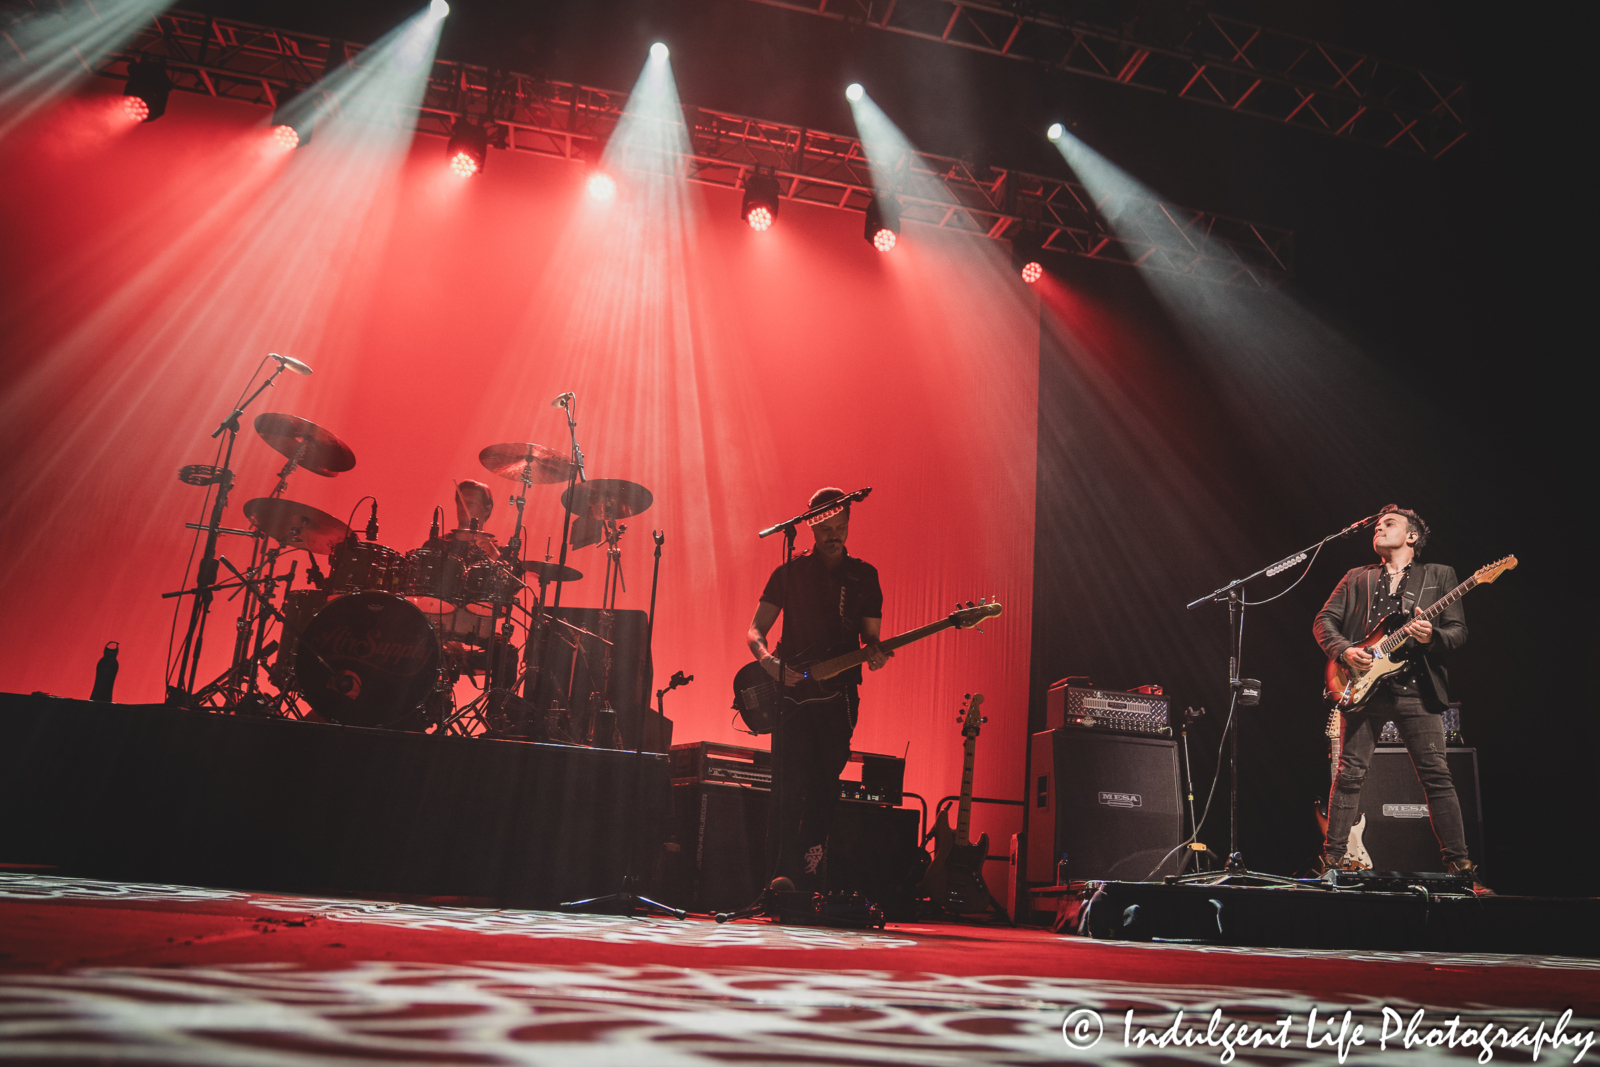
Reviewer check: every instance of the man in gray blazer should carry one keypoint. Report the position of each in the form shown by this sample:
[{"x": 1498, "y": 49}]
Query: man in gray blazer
[{"x": 1412, "y": 697}]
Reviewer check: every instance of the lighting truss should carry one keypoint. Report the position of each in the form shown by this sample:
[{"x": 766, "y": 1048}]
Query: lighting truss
[
  {"x": 232, "y": 60},
  {"x": 1196, "y": 55}
]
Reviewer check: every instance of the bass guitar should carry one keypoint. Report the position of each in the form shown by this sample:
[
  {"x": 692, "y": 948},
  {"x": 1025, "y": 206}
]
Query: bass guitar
[
  {"x": 757, "y": 697},
  {"x": 954, "y": 880},
  {"x": 1345, "y": 687}
]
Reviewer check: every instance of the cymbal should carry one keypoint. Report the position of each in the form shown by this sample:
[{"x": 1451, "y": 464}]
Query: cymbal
[
  {"x": 295, "y": 525},
  {"x": 607, "y": 498},
  {"x": 537, "y": 570},
  {"x": 544, "y": 465},
  {"x": 324, "y": 453}
]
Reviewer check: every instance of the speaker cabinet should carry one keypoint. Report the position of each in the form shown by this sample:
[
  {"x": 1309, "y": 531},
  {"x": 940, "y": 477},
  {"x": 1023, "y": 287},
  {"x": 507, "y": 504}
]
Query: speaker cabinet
[
  {"x": 1399, "y": 834},
  {"x": 721, "y": 831},
  {"x": 1109, "y": 801}
]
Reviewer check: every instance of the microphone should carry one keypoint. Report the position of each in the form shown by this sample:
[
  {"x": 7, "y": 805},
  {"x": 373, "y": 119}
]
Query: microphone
[
  {"x": 290, "y": 363},
  {"x": 433, "y": 533},
  {"x": 559, "y": 402},
  {"x": 372, "y": 522}
]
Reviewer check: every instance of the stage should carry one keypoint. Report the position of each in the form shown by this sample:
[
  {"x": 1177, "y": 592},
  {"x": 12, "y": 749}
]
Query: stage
[{"x": 125, "y": 972}]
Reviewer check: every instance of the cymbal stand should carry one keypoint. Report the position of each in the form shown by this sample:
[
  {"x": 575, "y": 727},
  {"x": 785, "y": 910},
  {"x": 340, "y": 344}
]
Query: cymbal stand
[
  {"x": 627, "y": 901},
  {"x": 206, "y": 575},
  {"x": 537, "y": 661}
]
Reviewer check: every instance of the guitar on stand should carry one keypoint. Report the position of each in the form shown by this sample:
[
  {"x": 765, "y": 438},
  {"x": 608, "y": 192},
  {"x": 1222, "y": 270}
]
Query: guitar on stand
[
  {"x": 1355, "y": 851},
  {"x": 954, "y": 881}
]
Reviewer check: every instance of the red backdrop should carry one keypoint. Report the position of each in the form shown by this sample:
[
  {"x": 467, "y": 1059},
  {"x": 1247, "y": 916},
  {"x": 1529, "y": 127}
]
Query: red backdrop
[{"x": 730, "y": 372}]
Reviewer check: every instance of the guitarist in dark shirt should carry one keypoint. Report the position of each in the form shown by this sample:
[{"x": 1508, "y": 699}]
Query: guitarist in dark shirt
[
  {"x": 831, "y": 603},
  {"x": 1413, "y": 697}
]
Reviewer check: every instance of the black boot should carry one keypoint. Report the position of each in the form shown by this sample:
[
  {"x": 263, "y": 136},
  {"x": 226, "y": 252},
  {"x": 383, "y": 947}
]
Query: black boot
[{"x": 1470, "y": 870}]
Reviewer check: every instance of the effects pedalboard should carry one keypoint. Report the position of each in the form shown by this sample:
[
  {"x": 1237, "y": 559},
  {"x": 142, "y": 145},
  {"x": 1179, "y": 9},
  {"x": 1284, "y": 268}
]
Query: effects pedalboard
[{"x": 1140, "y": 711}]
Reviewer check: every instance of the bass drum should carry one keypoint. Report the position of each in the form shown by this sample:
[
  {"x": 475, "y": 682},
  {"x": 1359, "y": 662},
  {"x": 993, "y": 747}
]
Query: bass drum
[{"x": 368, "y": 659}]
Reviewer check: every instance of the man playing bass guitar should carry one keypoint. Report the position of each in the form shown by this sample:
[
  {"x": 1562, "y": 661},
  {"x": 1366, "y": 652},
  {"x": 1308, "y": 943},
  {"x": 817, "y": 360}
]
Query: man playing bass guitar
[
  {"x": 1412, "y": 697},
  {"x": 831, "y": 603}
]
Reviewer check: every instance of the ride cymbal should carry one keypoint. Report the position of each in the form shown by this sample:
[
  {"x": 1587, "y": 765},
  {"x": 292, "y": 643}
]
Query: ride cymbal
[
  {"x": 323, "y": 453},
  {"x": 544, "y": 465},
  {"x": 295, "y": 525},
  {"x": 607, "y": 499}
]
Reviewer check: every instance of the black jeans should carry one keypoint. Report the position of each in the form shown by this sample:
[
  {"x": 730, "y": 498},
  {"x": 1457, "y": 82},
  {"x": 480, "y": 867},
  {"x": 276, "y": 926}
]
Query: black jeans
[
  {"x": 1423, "y": 733},
  {"x": 810, "y": 747}
]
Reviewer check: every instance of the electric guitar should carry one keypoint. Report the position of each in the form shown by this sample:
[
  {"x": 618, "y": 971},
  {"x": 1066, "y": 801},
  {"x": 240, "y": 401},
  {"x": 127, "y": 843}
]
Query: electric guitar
[
  {"x": 1355, "y": 851},
  {"x": 954, "y": 880},
  {"x": 757, "y": 697},
  {"x": 1345, "y": 687}
]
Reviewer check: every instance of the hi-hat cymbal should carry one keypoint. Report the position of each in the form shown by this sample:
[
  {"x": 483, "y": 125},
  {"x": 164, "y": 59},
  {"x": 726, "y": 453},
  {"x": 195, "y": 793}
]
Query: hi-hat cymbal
[
  {"x": 538, "y": 570},
  {"x": 323, "y": 454},
  {"x": 295, "y": 525},
  {"x": 544, "y": 465},
  {"x": 607, "y": 498}
]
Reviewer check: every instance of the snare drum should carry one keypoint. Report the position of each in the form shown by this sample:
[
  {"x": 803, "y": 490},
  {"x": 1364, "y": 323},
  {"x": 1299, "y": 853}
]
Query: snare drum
[
  {"x": 463, "y": 626},
  {"x": 365, "y": 566},
  {"x": 436, "y": 578}
]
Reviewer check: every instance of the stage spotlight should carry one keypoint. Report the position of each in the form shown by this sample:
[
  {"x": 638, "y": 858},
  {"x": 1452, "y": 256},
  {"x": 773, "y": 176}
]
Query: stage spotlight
[
  {"x": 293, "y": 119},
  {"x": 468, "y": 149},
  {"x": 853, "y": 92},
  {"x": 601, "y": 186},
  {"x": 148, "y": 85},
  {"x": 760, "y": 206},
  {"x": 438, "y": 9},
  {"x": 883, "y": 224},
  {"x": 1025, "y": 255},
  {"x": 1056, "y": 131},
  {"x": 658, "y": 51}
]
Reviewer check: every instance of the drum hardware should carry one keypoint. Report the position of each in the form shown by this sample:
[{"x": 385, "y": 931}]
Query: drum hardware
[{"x": 181, "y": 692}]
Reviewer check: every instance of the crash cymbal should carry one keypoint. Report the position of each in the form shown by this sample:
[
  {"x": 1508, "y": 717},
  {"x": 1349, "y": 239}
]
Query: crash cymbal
[
  {"x": 544, "y": 465},
  {"x": 295, "y": 525},
  {"x": 324, "y": 453},
  {"x": 607, "y": 498},
  {"x": 538, "y": 570}
]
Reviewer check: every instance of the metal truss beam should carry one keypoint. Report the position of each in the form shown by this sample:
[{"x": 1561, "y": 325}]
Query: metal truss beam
[
  {"x": 1196, "y": 55},
  {"x": 238, "y": 61}
]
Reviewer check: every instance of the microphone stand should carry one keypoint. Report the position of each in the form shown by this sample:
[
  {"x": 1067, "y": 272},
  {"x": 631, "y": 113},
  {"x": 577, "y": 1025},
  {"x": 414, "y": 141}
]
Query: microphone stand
[
  {"x": 627, "y": 901},
  {"x": 206, "y": 577},
  {"x": 1246, "y": 692},
  {"x": 535, "y": 677}
]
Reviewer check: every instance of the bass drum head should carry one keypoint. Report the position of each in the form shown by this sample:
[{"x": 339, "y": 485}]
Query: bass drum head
[{"x": 378, "y": 659}]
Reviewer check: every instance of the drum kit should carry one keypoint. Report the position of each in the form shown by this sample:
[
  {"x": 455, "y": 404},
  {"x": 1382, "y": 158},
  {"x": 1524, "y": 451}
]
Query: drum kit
[{"x": 382, "y": 637}]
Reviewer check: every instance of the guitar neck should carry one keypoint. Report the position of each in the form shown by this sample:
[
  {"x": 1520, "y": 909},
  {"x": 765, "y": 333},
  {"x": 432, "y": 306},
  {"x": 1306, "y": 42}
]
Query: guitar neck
[
  {"x": 1396, "y": 639},
  {"x": 831, "y": 667},
  {"x": 964, "y": 814}
]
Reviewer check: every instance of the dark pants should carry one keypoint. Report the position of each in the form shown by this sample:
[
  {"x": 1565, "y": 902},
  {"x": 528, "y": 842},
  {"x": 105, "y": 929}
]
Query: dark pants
[
  {"x": 810, "y": 747},
  {"x": 1423, "y": 733}
]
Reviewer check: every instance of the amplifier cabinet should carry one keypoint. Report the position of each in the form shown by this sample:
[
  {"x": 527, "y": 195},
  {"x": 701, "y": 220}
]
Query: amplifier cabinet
[
  {"x": 1399, "y": 833},
  {"x": 721, "y": 832},
  {"x": 1111, "y": 802}
]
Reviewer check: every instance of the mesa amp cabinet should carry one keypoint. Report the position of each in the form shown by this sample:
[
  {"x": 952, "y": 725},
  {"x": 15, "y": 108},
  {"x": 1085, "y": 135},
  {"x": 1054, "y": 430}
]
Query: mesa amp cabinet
[
  {"x": 1109, "y": 801},
  {"x": 1399, "y": 834}
]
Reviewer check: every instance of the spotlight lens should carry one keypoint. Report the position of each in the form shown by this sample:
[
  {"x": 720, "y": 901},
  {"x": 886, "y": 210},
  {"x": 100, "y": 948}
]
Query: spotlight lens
[
  {"x": 285, "y": 138},
  {"x": 854, "y": 92},
  {"x": 1055, "y": 131},
  {"x": 883, "y": 240},
  {"x": 601, "y": 187},
  {"x": 438, "y": 9},
  {"x": 135, "y": 108},
  {"x": 1032, "y": 272},
  {"x": 463, "y": 164},
  {"x": 658, "y": 51},
  {"x": 759, "y": 219}
]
